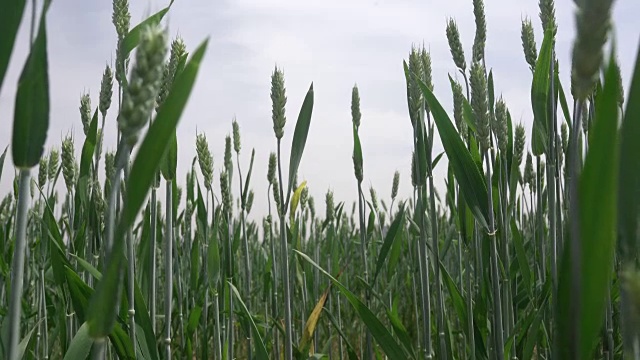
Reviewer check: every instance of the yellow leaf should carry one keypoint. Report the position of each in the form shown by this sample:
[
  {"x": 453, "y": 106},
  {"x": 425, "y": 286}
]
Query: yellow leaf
[
  {"x": 296, "y": 199},
  {"x": 312, "y": 321}
]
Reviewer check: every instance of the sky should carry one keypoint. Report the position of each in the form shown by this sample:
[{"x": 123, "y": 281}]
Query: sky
[{"x": 332, "y": 44}]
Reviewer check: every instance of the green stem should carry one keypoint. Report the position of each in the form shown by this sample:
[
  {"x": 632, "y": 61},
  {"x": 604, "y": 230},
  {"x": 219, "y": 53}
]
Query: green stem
[
  {"x": 495, "y": 276},
  {"x": 436, "y": 253},
  {"x": 574, "y": 245},
  {"x": 131, "y": 271},
  {"x": 168, "y": 267},
  {"x": 285, "y": 268},
  {"x": 363, "y": 253},
  {"x": 152, "y": 258},
  {"x": 247, "y": 266},
  {"x": 274, "y": 271},
  {"x": 17, "y": 267}
]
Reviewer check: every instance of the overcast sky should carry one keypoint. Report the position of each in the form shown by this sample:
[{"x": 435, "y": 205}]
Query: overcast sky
[{"x": 333, "y": 44}]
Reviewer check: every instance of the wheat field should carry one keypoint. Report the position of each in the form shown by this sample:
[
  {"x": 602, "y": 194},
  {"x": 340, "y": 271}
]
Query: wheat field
[{"x": 530, "y": 251}]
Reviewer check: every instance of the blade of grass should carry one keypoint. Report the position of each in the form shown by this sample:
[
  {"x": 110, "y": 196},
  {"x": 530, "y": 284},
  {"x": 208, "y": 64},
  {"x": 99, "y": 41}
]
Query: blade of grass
[
  {"x": 597, "y": 228},
  {"x": 299, "y": 139}
]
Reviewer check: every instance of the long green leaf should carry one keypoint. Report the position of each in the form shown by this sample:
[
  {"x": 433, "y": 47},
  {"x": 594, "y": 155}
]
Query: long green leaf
[
  {"x": 89, "y": 146},
  {"x": 597, "y": 185},
  {"x": 540, "y": 96},
  {"x": 169, "y": 162},
  {"x": 31, "y": 111},
  {"x": 521, "y": 255},
  {"x": 261, "y": 350},
  {"x": 24, "y": 343},
  {"x": 389, "y": 239},
  {"x": 145, "y": 166},
  {"x": 2, "y": 157},
  {"x": 80, "y": 345},
  {"x": 629, "y": 178},
  {"x": 10, "y": 18},
  {"x": 300, "y": 138},
  {"x": 471, "y": 181},
  {"x": 248, "y": 179},
  {"x": 132, "y": 39},
  {"x": 378, "y": 330}
]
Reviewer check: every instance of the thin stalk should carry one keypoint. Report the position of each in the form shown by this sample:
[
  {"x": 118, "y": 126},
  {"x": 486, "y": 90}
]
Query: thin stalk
[
  {"x": 216, "y": 309},
  {"x": 316, "y": 274},
  {"x": 152, "y": 259},
  {"x": 285, "y": 268},
  {"x": 424, "y": 279},
  {"x": 609, "y": 327},
  {"x": 574, "y": 219},
  {"x": 247, "y": 265},
  {"x": 274, "y": 271},
  {"x": 498, "y": 329},
  {"x": 436, "y": 254},
  {"x": 472, "y": 340},
  {"x": 413, "y": 260},
  {"x": 100, "y": 344},
  {"x": 131, "y": 270},
  {"x": 228, "y": 289},
  {"x": 17, "y": 266},
  {"x": 178, "y": 265},
  {"x": 205, "y": 251},
  {"x": 168, "y": 267},
  {"x": 45, "y": 326},
  {"x": 551, "y": 183},
  {"x": 540, "y": 222},
  {"x": 363, "y": 253}
]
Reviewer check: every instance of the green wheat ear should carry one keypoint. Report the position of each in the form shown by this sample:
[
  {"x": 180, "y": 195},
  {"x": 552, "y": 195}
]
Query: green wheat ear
[
  {"x": 414, "y": 91},
  {"x": 276, "y": 196},
  {"x": 593, "y": 21},
  {"x": 121, "y": 17},
  {"x": 500, "y": 126},
  {"x": 414, "y": 170},
  {"x": 54, "y": 163},
  {"x": 312, "y": 206},
  {"x": 548, "y": 15},
  {"x": 519, "y": 144},
  {"x": 329, "y": 203},
  {"x": 279, "y": 101},
  {"x": 529, "y": 173},
  {"x": 395, "y": 185},
  {"x": 146, "y": 76},
  {"x": 529, "y": 44},
  {"x": 110, "y": 170},
  {"x": 236, "y": 136},
  {"x": 355, "y": 107},
  {"x": 374, "y": 198},
  {"x": 68, "y": 162},
  {"x": 271, "y": 170},
  {"x": 479, "y": 103},
  {"x": 227, "y": 202},
  {"x": 228, "y": 161},
  {"x": 205, "y": 159},
  {"x": 43, "y": 172},
  {"x": 481, "y": 31},
  {"x": 455, "y": 46},
  {"x": 427, "y": 78},
  {"x": 458, "y": 100},
  {"x": 106, "y": 91},
  {"x": 85, "y": 112}
]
